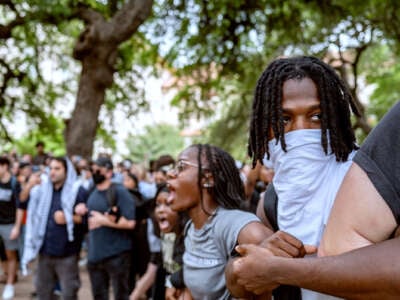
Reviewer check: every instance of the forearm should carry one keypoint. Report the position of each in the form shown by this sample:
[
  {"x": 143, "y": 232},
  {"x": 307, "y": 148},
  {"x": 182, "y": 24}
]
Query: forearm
[
  {"x": 24, "y": 194},
  {"x": 145, "y": 282},
  {"x": 19, "y": 214},
  {"x": 122, "y": 223},
  {"x": 372, "y": 272}
]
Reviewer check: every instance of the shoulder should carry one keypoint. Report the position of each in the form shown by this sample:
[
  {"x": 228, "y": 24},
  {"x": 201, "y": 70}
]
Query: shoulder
[
  {"x": 231, "y": 221},
  {"x": 246, "y": 226},
  {"x": 234, "y": 215},
  {"x": 121, "y": 191}
]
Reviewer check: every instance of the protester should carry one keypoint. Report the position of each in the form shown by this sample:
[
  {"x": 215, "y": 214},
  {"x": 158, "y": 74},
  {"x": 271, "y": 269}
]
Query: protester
[
  {"x": 147, "y": 186},
  {"x": 140, "y": 253},
  {"x": 161, "y": 167},
  {"x": 84, "y": 170},
  {"x": 54, "y": 232},
  {"x": 10, "y": 223},
  {"x": 206, "y": 184},
  {"x": 171, "y": 226},
  {"x": 301, "y": 127},
  {"x": 371, "y": 188},
  {"x": 111, "y": 213},
  {"x": 147, "y": 282},
  {"x": 41, "y": 156}
]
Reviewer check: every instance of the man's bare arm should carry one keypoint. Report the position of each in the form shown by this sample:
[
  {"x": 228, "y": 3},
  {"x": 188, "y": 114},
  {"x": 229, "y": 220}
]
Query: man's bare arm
[
  {"x": 98, "y": 219},
  {"x": 34, "y": 180},
  {"x": 359, "y": 216},
  {"x": 371, "y": 272}
]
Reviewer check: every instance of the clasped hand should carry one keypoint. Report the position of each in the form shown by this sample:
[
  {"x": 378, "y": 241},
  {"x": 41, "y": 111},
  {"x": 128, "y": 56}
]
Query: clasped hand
[{"x": 254, "y": 269}]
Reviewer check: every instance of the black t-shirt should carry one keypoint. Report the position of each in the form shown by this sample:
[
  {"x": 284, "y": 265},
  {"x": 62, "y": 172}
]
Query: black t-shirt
[
  {"x": 379, "y": 157},
  {"x": 8, "y": 201}
]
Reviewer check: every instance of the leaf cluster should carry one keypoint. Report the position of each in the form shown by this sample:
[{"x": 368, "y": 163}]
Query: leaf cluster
[{"x": 156, "y": 140}]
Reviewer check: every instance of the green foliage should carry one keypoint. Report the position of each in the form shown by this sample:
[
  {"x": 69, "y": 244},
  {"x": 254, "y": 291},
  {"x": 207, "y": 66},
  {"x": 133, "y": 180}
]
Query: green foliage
[
  {"x": 381, "y": 67},
  {"x": 42, "y": 44},
  {"x": 230, "y": 128},
  {"x": 215, "y": 50},
  {"x": 51, "y": 134},
  {"x": 212, "y": 45},
  {"x": 105, "y": 138},
  {"x": 156, "y": 140}
]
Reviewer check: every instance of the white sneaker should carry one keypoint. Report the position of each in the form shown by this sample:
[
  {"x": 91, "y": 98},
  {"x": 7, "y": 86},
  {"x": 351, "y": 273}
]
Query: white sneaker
[{"x": 8, "y": 292}]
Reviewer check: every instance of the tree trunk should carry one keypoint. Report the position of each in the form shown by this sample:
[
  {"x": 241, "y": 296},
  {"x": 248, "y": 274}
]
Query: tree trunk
[
  {"x": 81, "y": 128},
  {"x": 97, "y": 49}
]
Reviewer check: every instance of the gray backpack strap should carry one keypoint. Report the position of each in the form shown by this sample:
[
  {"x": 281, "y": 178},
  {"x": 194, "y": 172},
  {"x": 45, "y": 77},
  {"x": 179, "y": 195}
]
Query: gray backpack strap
[{"x": 111, "y": 195}]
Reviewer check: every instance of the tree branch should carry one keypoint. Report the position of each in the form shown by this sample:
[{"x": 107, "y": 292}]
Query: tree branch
[
  {"x": 88, "y": 15},
  {"x": 5, "y": 132},
  {"x": 5, "y": 30},
  {"x": 127, "y": 20}
]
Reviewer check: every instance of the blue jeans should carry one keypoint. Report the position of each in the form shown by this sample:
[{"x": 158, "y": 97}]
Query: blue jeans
[{"x": 115, "y": 268}]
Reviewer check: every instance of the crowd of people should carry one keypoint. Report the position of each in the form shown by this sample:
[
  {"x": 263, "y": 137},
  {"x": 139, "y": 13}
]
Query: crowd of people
[
  {"x": 118, "y": 220},
  {"x": 314, "y": 216}
]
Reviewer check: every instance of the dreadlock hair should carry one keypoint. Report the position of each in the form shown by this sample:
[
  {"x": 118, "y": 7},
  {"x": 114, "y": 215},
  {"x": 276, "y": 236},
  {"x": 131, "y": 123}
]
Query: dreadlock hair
[
  {"x": 228, "y": 189},
  {"x": 335, "y": 101}
]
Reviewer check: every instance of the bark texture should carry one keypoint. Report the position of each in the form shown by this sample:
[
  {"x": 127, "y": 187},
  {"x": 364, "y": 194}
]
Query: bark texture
[{"x": 96, "y": 49}]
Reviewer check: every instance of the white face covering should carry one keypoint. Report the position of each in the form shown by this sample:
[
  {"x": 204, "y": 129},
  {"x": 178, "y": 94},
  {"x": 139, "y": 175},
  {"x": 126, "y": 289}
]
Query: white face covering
[{"x": 306, "y": 181}]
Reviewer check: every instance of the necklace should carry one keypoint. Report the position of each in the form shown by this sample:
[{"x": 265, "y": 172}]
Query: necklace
[{"x": 212, "y": 215}]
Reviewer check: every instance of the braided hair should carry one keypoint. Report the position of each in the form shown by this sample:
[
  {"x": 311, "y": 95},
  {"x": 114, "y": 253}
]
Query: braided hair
[
  {"x": 228, "y": 188},
  {"x": 335, "y": 101}
]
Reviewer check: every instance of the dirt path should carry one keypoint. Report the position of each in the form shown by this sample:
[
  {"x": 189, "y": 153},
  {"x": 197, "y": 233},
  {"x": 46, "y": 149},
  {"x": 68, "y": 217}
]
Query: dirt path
[{"x": 24, "y": 287}]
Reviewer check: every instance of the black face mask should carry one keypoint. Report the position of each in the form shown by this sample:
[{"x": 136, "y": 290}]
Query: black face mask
[
  {"x": 98, "y": 178},
  {"x": 158, "y": 185}
]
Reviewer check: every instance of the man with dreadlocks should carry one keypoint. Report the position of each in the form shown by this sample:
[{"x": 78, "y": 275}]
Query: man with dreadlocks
[
  {"x": 366, "y": 213},
  {"x": 300, "y": 126},
  {"x": 206, "y": 184}
]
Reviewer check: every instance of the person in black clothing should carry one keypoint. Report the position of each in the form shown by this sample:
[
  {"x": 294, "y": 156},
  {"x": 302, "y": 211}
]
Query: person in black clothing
[
  {"x": 10, "y": 222},
  {"x": 140, "y": 253},
  {"x": 111, "y": 217}
]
